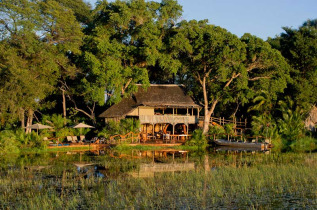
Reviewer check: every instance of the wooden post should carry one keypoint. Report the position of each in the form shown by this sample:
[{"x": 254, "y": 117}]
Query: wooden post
[
  {"x": 173, "y": 129},
  {"x": 187, "y": 111},
  {"x": 192, "y": 111},
  {"x": 173, "y": 111},
  {"x": 198, "y": 112},
  {"x": 186, "y": 129}
]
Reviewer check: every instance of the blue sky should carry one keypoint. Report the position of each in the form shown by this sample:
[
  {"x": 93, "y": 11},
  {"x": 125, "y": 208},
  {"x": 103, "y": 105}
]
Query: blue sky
[{"x": 263, "y": 18}]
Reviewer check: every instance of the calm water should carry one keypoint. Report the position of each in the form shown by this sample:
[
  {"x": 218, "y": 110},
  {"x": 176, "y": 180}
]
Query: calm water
[{"x": 67, "y": 174}]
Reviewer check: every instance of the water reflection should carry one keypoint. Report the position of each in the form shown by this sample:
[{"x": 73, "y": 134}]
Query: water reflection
[
  {"x": 110, "y": 164},
  {"x": 151, "y": 163},
  {"x": 240, "y": 149}
]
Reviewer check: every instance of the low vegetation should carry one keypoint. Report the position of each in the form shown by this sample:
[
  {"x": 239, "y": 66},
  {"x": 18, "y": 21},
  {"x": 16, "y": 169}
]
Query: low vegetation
[{"x": 234, "y": 181}]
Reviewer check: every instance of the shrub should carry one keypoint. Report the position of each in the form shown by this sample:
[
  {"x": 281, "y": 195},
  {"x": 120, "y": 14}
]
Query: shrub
[
  {"x": 30, "y": 140},
  {"x": 215, "y": 131},
  {"x": 198, "y": 139},
  {"x": 305, "y": 144},
  {"x": 8, "y": 142}
]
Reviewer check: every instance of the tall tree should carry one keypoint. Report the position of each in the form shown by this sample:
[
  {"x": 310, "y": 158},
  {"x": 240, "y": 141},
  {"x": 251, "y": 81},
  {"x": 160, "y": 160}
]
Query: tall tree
[
  {"x": 37, "y": 36},
  {"x": 63, "y": 35},
  {"x": 219, "y": 67},
  {"x": 299, "y": 47},
  {"x": 127, "y": 38}
]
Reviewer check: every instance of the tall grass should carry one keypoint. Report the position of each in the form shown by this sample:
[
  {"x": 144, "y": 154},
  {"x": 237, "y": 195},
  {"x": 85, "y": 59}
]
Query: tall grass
[{"x": 234, "y": 181}]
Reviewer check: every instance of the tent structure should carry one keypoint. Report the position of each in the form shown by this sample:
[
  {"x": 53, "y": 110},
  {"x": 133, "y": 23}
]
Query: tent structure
[
  {"x": 81, "y": 126},
  {"x": 38, "y": 127}
]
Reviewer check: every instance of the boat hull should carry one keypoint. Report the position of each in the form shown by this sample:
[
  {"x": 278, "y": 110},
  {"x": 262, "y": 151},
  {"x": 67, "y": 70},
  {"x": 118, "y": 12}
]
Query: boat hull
[{"x": 222, "y": 142}]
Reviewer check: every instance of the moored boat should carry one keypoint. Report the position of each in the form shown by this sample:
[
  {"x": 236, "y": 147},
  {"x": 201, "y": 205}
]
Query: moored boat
[{"x": 258, "y": 145}]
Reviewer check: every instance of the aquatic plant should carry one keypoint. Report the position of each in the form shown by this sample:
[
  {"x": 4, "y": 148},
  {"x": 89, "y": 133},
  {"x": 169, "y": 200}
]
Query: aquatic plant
[{"x": 231, "y": 181}]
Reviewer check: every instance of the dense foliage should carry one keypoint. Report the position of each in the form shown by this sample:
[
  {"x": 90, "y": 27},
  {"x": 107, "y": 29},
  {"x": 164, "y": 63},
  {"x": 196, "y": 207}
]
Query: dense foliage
[{"x": 63, "y": 57}]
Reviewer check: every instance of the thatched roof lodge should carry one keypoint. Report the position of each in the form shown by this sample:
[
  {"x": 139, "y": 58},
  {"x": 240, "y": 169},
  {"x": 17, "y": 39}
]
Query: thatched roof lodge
[
  {"x": 157, "y": 105},
  {"x": 311, "y": 120}
]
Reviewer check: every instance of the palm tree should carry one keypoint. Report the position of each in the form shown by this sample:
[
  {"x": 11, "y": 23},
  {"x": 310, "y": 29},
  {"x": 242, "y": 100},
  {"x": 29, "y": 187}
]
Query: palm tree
[{"x": 262, "y": 103}]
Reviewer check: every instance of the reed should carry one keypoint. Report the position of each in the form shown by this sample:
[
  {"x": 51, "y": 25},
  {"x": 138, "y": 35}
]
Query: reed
[{"x": 234, "y": 181}]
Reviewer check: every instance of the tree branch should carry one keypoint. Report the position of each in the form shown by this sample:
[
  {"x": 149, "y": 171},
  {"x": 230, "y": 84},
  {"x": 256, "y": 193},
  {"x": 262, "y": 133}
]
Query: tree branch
[
  {"x": 126, "y": 86},
  {"x": 234, "y": 75},
  {"x": 258, "y": 78}
]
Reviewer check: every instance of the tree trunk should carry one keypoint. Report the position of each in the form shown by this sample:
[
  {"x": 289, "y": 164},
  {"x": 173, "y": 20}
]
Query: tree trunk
[
  {"x": 208, "y": 112},
  {"x": 64, "y": 106},
  {"x": 22, "y": 118},
  {"x": 207, "y": 116},
  {"x": 206, "y": 109},
  {"x": 29, "y": 120}
]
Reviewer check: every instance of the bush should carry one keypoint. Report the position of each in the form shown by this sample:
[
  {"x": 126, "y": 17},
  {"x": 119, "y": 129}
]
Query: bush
[
  {"x": 30, "y": 140},
  {"x": 8, "y": 142},
  {"x": 198, "y": 139},
  {"x": 216, "y": 130},
  {"x": 305, "y": 144}
]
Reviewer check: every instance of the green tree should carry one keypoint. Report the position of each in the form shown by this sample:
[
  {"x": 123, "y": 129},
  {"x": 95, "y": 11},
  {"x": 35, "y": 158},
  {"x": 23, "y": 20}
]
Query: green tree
[
  {"x": 37, "y": 37},
  {"x": 127, "y": 39},
  {"x": 219, "y": 67},
  {"x": 299, "y": 47},
  {"x": 291, "y": 124}
]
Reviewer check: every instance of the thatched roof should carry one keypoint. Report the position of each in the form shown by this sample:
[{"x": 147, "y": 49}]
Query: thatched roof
[
  {"x": 153, "y": 96},
  {"x": 311, "y": 120}
]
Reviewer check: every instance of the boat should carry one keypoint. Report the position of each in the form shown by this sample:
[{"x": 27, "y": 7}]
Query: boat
[{"x": 236, "y": 144}]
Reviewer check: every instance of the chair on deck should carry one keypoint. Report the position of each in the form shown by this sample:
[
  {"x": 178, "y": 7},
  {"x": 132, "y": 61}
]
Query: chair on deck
[
  {"x": 69, "y": 138},
  {"x": 82, "y": 139},
  {"x": 74, "y": 139},
  {"x": 94, "y": 140},
  {"x": 102, "y": 140},
  {"x": 166, "y": 136}
]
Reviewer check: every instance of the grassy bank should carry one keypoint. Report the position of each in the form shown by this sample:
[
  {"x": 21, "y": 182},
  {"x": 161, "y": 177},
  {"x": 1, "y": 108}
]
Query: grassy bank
[{"x": 259, "y": 181}]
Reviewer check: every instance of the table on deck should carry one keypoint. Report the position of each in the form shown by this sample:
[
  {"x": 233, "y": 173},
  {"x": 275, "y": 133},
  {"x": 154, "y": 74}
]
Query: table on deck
[{"x": 151, "y": 137}]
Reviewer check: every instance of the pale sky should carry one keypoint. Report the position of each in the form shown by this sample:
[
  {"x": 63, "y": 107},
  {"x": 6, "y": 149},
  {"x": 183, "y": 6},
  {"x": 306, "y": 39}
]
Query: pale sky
[{"x": 263, "y": 18}]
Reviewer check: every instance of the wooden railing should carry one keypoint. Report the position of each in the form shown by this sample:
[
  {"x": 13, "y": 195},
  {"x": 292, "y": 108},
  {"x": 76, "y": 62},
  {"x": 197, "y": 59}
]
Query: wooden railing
[
  {"x": 130, "y": 137},
  {"x": 223, "y": 121},
  {"x": 172, "y": 119}
]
